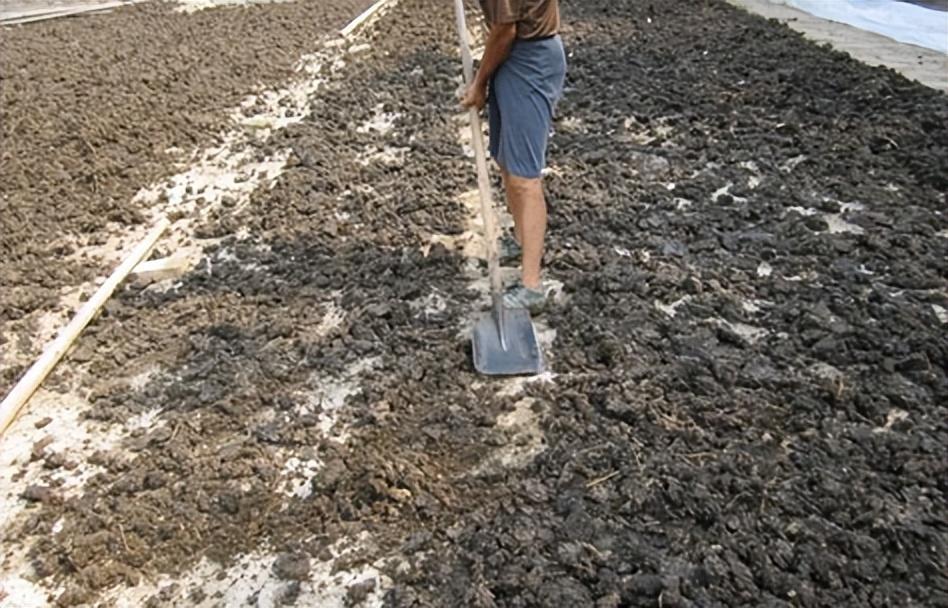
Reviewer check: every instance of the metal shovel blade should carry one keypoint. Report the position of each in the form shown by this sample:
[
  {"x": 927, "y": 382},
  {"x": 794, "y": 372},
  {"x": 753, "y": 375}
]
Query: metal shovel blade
[{"x": 522, "y": 355}]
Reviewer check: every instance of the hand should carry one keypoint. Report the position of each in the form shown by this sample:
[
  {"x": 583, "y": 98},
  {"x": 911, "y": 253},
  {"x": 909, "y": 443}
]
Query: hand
[{"x": 475, "y": 96}]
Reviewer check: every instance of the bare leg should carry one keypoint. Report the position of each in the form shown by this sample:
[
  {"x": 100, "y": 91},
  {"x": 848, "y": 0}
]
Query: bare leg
[
  {"x": 528, "y": 207},
  {"x": 512, "y": 207}
]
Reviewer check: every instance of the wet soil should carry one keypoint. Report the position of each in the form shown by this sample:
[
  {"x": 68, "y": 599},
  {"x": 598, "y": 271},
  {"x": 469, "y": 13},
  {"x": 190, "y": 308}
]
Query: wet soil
[
  {"x": 94, "y": 108},
  {"x": 749, "y": 392}
]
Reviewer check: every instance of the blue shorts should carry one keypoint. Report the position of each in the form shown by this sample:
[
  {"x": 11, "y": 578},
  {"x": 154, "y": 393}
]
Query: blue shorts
[{"x": 523, "y": 95}]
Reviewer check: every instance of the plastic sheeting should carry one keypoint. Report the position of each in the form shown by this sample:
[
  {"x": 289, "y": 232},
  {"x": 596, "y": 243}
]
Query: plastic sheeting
[{"x": 897, "y": 20}]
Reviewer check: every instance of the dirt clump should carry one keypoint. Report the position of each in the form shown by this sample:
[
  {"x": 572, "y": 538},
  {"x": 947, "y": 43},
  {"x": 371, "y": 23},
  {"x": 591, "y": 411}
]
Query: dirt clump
[{"x": 747, "y": 405}]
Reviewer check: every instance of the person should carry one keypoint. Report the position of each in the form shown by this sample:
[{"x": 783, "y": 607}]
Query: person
[{"x": 520, "y": 79}]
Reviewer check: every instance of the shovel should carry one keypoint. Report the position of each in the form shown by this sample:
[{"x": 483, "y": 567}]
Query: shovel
[{"x": 504, "y": 341}]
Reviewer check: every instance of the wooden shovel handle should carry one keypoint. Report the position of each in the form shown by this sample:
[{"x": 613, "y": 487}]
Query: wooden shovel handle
[{"x": 480, "y": 157}]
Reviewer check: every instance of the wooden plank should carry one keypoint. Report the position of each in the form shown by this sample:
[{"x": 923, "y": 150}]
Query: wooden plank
[
  {"x": 28, "y": 384},
  {"x": 164, "y": 268},
  {"x": 361, "y": 19}
]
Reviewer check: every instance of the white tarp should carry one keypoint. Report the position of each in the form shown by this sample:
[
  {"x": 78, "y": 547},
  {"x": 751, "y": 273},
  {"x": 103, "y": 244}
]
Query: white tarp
[{"x": 897, "y": 20}]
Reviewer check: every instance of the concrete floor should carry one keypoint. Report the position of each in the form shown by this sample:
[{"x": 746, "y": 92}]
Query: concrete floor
[{"x": 916, "y": 63}]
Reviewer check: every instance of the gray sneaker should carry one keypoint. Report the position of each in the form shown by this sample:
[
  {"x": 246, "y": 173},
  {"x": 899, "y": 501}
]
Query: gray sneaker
[
  {"x": 509, "y": 248},
  {"x": 534, "y": 300}
]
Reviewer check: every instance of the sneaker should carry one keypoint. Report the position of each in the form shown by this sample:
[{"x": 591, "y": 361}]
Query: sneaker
[
  {"x": 534, "y": 300},
  {"x": 509, "y": 248}
]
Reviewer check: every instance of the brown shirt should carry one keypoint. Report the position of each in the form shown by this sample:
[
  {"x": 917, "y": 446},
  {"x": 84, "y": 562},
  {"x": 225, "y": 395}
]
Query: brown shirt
[{"x": 534, "y": 18}]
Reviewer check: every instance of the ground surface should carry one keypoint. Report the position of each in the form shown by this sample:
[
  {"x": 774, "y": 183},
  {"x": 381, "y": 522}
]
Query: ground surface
[
  {"x": 941, "y": 5},
  {"x": 747, "y": 396},
  {"x": 92, "y": 109},
  {"x": 927, "y": 66}
]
